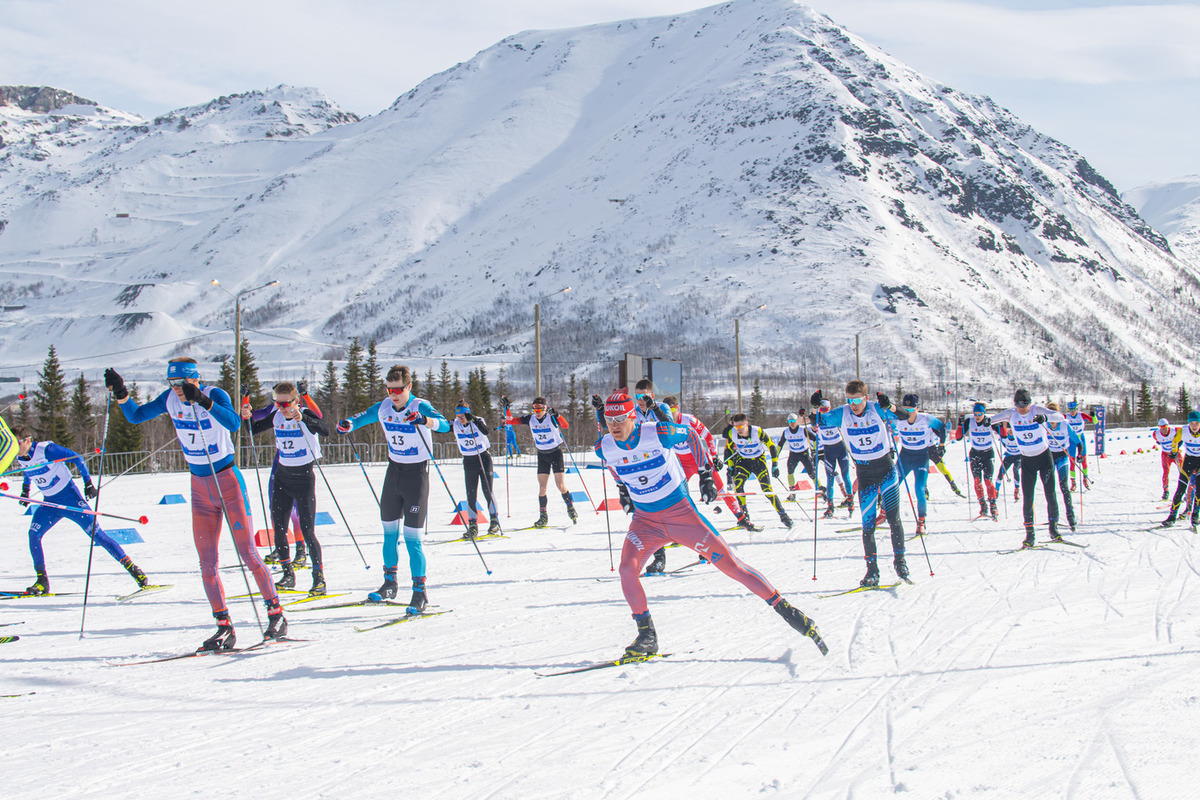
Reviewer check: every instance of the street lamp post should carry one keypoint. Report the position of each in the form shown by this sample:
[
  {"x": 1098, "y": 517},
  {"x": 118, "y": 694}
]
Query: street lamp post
[
  {"x": 857, "y": 373},
  {"x": 737, "y": 346},
  {"x": 237, "y": 353},
  {"x": 537, "y": 334}
]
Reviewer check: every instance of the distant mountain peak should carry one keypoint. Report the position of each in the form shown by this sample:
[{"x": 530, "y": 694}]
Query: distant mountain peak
[{"x": 40, "y": 99}]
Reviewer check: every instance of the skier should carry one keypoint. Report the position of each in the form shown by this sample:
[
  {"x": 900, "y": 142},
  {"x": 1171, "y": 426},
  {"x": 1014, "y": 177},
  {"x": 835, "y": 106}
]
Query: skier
[
  {"x": 746, "y": 449},
  {"x": 648, "y": 410},
  {"x": 1167, "y": 439},
  {"x": 1027, "y": 421},
  {"x": 795, "y": 437},
  {"x": 978, "y": 430},
  {"x": 663, "y": 513},
  {"x": 1012, "y": 458},
  {"x": 406, "y": 421},
  {"x": 266, "y": 412},
  {"x": 1062, "y": 439},
  {"x": 864, "y": 428},
  {"x": 690, "y": 467},
  {"x": 1189, "y": 445},
  {"x": 203, "y": 417},
  {"x": 511, "y": 448},
  {"x": 471, "y": 435},
  {"x": 832, "y": 451},
  {"x": 546, "y": 429},
  {"x": 44, "y": 464},
  {"x": 916, "y": 430},
  {"x": 293, "y": 484},
  {"x": 1078, "y": 453}
]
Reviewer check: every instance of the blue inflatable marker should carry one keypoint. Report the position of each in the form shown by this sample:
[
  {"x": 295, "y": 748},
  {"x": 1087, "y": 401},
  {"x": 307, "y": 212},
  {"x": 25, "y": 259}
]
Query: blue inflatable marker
[
  {"x": 171, "y": 499},
  {"x": 125, "y": 536},
  {"x": 323, "y": 518}
]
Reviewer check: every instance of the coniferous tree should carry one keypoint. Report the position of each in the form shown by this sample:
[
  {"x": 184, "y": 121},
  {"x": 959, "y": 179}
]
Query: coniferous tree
[
  {"x": 758, "y": 406},
  {"x": 355, "y": 394},
  {"x": 486, "y": 396},
  {"x": 444, "y": 388},
  {"x": 1184, "y": 402},
  {"x": 456, "y": 391},
  {"x": 374, "y": 377},
  {"x": 327, "y": 395},
  {"x": 83, "y": 417},
  {"x": 503, "y": 389},
  {"x": 24, "y": 414},
  {"x": 51, "y": 403},
  {"x": 123, "y": 435},
  {"x": 225, "y": 379},
  {"x": 477, "y": 395},
  {"x": 1145, "y": 403},
  {"x": 572, "y": 409},
  {"x": 251, "y": 387},
  {"x": 1126, "y": 415},
  {"x": 899, "y": 392}
]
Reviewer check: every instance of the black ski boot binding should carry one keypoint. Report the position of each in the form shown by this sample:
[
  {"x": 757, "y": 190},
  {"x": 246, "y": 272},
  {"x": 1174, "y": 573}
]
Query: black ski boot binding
[{"x": 796, "y": 618}]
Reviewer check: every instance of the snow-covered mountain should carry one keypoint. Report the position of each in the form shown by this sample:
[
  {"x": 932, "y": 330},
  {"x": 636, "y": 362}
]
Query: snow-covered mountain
[
  {"x": 1172, "y": 207},
  {"x": 675, "y": 172}
]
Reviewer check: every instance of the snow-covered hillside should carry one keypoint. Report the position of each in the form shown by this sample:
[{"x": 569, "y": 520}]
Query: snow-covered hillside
[
  {"x": 1172, "y": 207},
  {"x": 675, "y": 172},
  {"x": 1051, "y": 673}
]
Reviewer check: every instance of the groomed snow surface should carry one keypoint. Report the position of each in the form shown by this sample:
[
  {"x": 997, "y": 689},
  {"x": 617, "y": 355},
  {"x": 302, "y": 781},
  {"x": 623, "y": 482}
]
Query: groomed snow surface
[{"x": 1052, "y": 673}]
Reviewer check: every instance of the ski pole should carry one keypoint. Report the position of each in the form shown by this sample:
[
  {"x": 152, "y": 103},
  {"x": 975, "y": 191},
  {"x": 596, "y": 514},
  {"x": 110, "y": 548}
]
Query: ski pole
[
  {"x": 922, "y": 537},
  {"x": 507, "y": 462},
  {"x": 306, "y": 433},
  {"x": 453, "y": 502},
  {"x": 130, "y": 468},
  {"x": 92, "y": 533},
  {"x": 612, "y": 565},
  {"x": 358, "y": 458},
  {"x": 579, "y": 472},
  {"x": 228, "y": 520},
  {"x": 258, "y": 471},
  {"x": 142, "y": 520},
  {"x": 17, "y": 470},
  {"x": 816, "y": 505}
]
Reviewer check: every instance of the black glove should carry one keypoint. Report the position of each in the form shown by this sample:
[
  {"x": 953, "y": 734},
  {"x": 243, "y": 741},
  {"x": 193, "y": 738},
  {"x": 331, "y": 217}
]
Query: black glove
[
  {"x": 468, "y": 416},
  {"x": 302, "y": 388},
  {"x": 1040, "y": 419},
  {"x": 729, "y": 476},
  {"x": 939, "y": 452},
  {"x": 775, "y": 472},
  {"x": 717, "y": 464},
  {"x": 708, "y": 487},
  {"x": 884, "y": 400},
  {"x": 816, "y": 399},
  {"x": 192, "y": 393},
  {"x": 504, "y": 402},
  {"x": 553, "y": 414},
  {"x": 345, "y": 426},
  {"x": 986, "y": 422},
  {"x": 597, "y": 402},
  {"x": 115, "y": 384},
  {"x": 626, "y": 500},
  {"x": 415, "y": 418},
  {"x": 89, "y": 490},
  {"x": 24, "y": 493}
]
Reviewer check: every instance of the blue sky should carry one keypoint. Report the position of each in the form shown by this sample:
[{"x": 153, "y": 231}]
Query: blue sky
[{"x": 1119, "y": 81}]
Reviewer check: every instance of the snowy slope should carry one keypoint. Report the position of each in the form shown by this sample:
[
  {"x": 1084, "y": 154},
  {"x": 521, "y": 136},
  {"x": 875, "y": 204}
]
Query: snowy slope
[
  {"x": 1172, "y": 207},
  {"x": 1052, "y": 673},
  {"x": 674, "y": 171}
]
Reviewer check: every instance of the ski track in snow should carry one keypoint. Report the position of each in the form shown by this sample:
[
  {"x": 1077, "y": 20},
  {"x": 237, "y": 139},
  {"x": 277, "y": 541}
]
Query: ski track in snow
[{"x": 1053, "y": 673}]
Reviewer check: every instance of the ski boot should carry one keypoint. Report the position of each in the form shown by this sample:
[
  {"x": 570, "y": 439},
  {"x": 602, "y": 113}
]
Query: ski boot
[
  {"x": 1030, "y": 539},
  {"x": 1055, "y": 536},
  {"x": 573, "y": 514},
  {"x": 1072, "y": 483},
  {"x": 494, "y": 528},
  {"x": 646, "y": 643},
  {"x": 796, "y": 618},
  {"x": 871, "y": 579},
  {"x": 135, "y": 573},
  {"x": 828, "y": 512},
  {"x": 41, "y": 586},
  {"x": 847, "y": 502},
  {"x": 223, "y": 639},
  {"x": 1166, "y": 523},
  {"x": 271, "y": 557},
  {"x": 276, "y": 623},
  {"x": 472, "y": 530},
  {"x": 954, "y": 488},
  {"x": 318, "y": 584},
  {"x": 983, "y": 509},
  {"x": 745, "y": 524},
  {"x": 288, "y": 579},
  {"x": 901, "y": 566},
  {"x": 1016, "y": 492},
  {"x": 994, "y": 511},
  {"x": 920, "y": 526},
  {"x": 301, "y": 559},
  {"x": 385, "y": 592},
  {"x": 1164, "y": 497},
  {"x": 419, "y": 601},
  {"x": 542, "y": 521},
  {"x": 659, "y": 565},
  {"x": 785, "y": 519},
  {"x": 791, "y": 498}
]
